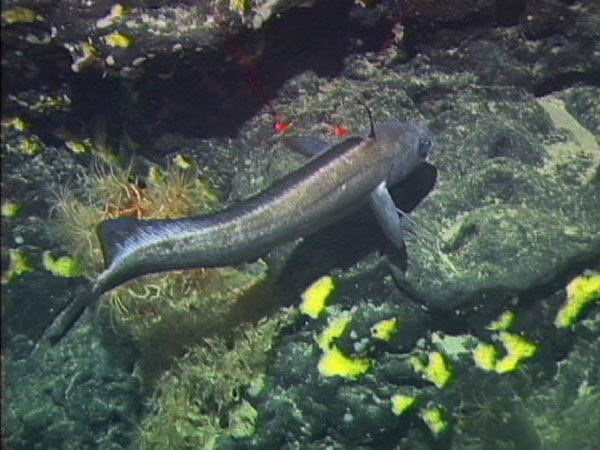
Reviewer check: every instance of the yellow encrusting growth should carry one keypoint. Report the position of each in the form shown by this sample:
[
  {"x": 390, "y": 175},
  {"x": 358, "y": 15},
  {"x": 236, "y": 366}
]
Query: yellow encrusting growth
[
  {"x": 18, "y": 266},
  {"x": 116, "y": 39},
  {"x": 437, "y": 370},
  {"x": 156, "y": 175},
  {"x": 17, "y": 124},
  {"x": 63, "y": 266},
  {"x": 417, "y": 364},
  {"x": 504, "y": 322},
  {"x": 117, "y": 11},
  {"x": 79, "y": 147},
  {"x": 184, "y": 162},
  {"x": 315, "y": 298},
  {"x": 334, "y": 363},
  {"x": 20, "y": 15},
  {"x": 518, "y": 349},
  {"x": 30, "y": 145},
  {"x": 402, "y": 403},
  {"x": 240, "y": 6},
  {"x": 10, "y": 210},
  {"x": 581, "y": 293},
  {"x": 385, "y": 329},
  {"x": 485, "y": 356},
  {"x": 435, "y": 420},
  {"x": 335, "y": 328}
]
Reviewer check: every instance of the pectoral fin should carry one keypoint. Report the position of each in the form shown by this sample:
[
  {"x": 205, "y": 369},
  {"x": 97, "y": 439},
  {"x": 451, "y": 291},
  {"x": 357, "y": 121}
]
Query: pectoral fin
[{"x": 387, "y": 215}]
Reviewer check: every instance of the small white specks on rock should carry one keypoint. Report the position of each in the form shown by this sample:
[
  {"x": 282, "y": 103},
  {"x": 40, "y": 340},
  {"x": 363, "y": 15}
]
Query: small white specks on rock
[{"x": 138, "y": 61}]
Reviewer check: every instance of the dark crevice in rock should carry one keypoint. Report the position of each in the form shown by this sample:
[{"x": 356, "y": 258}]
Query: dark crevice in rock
[
  {"x": 566, "y": 80},
  {"x": 212, "y": 93}
]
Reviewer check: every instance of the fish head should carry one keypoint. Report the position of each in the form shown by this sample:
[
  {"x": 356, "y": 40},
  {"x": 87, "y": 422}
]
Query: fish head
[{"x": 407, "y": 145}]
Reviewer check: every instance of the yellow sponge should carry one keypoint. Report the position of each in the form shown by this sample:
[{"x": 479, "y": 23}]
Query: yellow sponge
[
  {"x": 316, "y": 296},
  {"x": 581, "y": 293},
  {"x": 335, "y": 363}
]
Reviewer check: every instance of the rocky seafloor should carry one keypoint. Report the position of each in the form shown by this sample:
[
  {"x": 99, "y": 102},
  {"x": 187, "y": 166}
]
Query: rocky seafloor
[{"x": 504, "y": 220}]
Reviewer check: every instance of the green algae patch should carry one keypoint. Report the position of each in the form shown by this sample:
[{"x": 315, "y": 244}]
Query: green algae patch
[
  {"x": 204, "y": 399},
  {"x": 167, "y": 313},
  {"x": 242, "y": 421}
]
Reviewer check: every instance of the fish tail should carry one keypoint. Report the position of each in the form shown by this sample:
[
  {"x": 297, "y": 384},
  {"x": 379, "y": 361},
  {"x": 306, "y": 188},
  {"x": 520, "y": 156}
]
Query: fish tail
[{"x": 114, "y": 235}]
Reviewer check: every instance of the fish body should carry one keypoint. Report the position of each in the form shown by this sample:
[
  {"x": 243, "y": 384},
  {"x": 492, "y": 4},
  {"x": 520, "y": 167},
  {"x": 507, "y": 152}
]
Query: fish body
[{"x": 334, "y": 183}]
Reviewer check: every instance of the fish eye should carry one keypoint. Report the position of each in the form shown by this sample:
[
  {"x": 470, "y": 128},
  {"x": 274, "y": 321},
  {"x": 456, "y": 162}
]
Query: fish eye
[{"x": 425, "y": 147}]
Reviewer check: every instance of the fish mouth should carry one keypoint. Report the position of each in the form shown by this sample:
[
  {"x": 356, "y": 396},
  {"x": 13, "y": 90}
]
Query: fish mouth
[{"x": 427, "y": 145}]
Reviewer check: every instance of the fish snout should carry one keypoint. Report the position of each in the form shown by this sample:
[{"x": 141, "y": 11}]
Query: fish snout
[{"x": 426, "y": 146}]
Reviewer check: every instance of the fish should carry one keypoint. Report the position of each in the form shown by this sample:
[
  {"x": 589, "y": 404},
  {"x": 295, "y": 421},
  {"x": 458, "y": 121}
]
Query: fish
[{"x": 337, "y": 180}]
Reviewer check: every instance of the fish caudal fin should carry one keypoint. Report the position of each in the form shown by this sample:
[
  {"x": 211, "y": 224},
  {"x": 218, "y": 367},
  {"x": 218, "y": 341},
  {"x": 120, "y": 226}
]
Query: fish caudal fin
[{"x": 113, "y": 235}]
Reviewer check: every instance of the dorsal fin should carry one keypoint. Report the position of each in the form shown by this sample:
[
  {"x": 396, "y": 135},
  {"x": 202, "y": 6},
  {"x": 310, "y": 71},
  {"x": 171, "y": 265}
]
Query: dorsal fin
[
  {"x": 348, "y": 143},
  {"x": 307, "y": 146},
  {"x": 113, "y": 235},
  {"x": 372, "y": 131}
]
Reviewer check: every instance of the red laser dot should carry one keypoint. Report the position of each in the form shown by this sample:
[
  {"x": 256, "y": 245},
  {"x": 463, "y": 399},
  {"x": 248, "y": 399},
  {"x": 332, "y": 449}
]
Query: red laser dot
[
  {"x": 282, "y": 126},
  {"x": 341, "y": 131}
]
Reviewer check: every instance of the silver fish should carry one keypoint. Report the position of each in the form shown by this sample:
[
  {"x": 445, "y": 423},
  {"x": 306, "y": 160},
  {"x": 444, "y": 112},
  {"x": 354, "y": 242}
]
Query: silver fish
[{"x": 334, "y": 183}]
